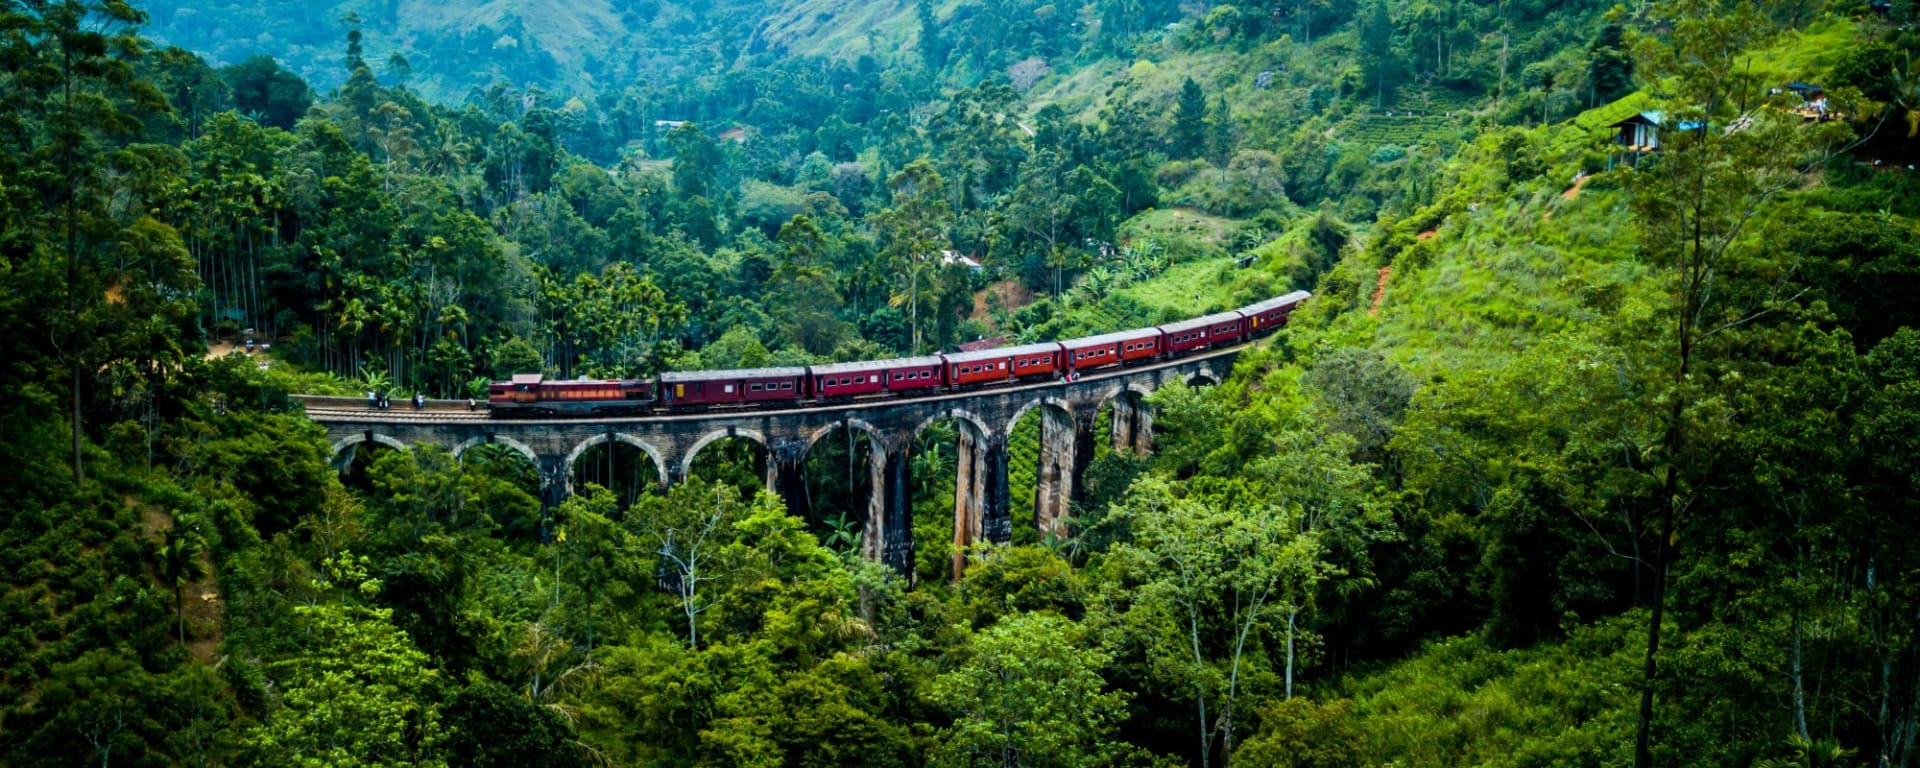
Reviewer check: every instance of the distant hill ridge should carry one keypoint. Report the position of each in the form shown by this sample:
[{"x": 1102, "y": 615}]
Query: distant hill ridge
[{"x": 578, "y": 46}]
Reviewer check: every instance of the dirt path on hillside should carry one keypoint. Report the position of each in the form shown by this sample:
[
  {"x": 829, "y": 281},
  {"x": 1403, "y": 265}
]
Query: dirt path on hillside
[
  {"x": 1573, "y": 193},
  {"x": 1380, "y": 291}
]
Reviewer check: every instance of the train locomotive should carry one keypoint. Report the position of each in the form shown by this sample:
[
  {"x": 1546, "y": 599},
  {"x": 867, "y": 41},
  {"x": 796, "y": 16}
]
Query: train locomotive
[{"x": 533, "y": 396}]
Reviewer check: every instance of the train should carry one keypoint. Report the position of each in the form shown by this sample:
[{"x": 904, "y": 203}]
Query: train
[{"x": 531, "y": 395}]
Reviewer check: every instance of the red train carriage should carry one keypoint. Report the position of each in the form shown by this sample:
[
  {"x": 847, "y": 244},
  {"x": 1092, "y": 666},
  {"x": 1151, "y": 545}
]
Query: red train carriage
[
  {"x": 1189, "y": 335},
  {"x": 1033, "y": 360},
  {"x": 1270, "y": 315},
  {"x": 531, "y": 394},
  {"x": 696, "y": 389},
  {"x": 1112, "y": 348},
  {"x": 987, "y": 366},
  {"x": 848, "y": 379},
  {"x": 913, "y": 374},
  {"x": 1225, "y": 328}
]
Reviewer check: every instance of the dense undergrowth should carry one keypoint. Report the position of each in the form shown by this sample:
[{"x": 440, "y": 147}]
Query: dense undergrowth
[{"x": 1432, "y": 523}]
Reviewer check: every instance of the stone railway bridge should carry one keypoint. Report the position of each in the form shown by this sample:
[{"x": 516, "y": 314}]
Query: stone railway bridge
[{"x": 985, "y": 419}]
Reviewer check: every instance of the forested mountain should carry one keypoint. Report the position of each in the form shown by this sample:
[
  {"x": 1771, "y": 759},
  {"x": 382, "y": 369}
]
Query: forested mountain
[{"x": 1586, "y": 451}]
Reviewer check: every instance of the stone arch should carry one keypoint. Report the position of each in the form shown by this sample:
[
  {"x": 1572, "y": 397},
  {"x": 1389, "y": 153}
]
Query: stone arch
[
  {"x": 877, "y": 438},
  {"x": 1203, "y": 376},
  {"x": 659, "y": 461},
  {"x": 1139, "y": 389},
  {"x": 517, "y": 446},
  {"x": 1131, "y": 417},
  {"x": 962, "y": 415},
  {"x": 686, "y": 461},
  {"x": 1046, "y": 402},
  {"x": 365, "y": 437}
]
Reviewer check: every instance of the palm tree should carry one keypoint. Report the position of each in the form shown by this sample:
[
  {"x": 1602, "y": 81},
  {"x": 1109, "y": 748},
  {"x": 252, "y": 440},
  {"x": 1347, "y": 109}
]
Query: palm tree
[
  {"x": 1906, "y": 94},
  {"x": 180, "y": 564}
]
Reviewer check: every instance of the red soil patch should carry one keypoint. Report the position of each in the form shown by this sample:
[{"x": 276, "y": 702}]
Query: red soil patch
[
  {"x": 1427, "y": 235},
  {"x": 1012, "y": 296},
  {"x": 1573, "y": 192},
  {"x": 1380, "y": 291}
]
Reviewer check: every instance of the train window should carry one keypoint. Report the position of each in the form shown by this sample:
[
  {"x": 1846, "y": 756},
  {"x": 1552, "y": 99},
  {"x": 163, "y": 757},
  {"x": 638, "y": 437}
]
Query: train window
[
  {"x": 755, "y": 387},
  {"x": 874, "y": 379},
  {"x": 729, "y": 389}
]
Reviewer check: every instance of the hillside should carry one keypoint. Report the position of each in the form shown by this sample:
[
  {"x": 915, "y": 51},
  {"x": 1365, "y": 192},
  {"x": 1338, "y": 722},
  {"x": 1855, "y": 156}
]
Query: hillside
[
  {"x": 1583, "y": 451},
  {"x": 571, "y": 48}
]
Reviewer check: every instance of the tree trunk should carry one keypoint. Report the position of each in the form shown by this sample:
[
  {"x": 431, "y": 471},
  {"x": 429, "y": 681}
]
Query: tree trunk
[
  {"x": 1199, "y": 689},
  {"x": 1291, "y": 616},
  {"x": 1797, "y": 663},
  {"x": 1643, "y": 745}
]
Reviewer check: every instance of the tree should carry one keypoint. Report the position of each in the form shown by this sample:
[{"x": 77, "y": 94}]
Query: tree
[
  {"x": 1361, "y": 393},
  {"x": 697, "y": 162},
  {"x": 72, "y": 77},
  {"x": 1214, "y": 569},
  {"x": 1693, "y": 208},
  {"x": 274, "y": 96},
  {"x": 1189, "y": 135},
  {"x": 687, "y": 528},
  {"x": 489, "y": 725},
  {"x": 1609, "y": 66},
  {"x": 1379, "y": 59},
  {"x": 181, "y": 548},
  {"x": 933, "y": 48},
  {"x": 1029, "y": 695},
  {"x": 357, "y": 692},
  {"x": 802, "y": 284},
  {"x": 1221, "y": 136},
  {"x": 1042, "y": 208},
  {"x": 913, "y": 232}
]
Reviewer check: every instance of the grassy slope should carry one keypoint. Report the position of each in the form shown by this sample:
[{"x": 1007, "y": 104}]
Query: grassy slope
[
  {"x": 1461, "y": 703},
  {"x": 1529, "y": 262}
]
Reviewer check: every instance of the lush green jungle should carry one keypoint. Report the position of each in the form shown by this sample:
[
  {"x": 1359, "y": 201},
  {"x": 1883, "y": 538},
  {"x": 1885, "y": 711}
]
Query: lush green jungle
[{"x": 1584, "y": 452}]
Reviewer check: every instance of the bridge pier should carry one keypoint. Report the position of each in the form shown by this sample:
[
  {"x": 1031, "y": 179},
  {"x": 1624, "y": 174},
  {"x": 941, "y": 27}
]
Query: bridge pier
[
  {"x": 1059, "y": 470},
  {"x": 1132, "y": 425},
  {"x": 556, "y": 483},
  {"x": 787, "y": 476},
  {"x": 981, "y": 509},
  {"x": 889, "y": 534},
  {"x": 1083, "y": 441}
]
